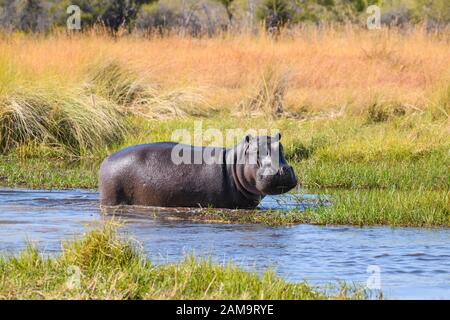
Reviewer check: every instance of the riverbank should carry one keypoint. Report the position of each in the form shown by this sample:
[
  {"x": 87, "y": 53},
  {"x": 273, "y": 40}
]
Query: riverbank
[
  {"x": 364, "y": 115},
  {"x": 106, "y": 265},
  {"x": 320, "y": 255},
  {"x": 393, "y": 172}
]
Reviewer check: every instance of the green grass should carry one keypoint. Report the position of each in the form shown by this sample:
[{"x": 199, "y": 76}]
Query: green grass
[
  {"x": 38, "y": 173},
  {"x": 392, "y": 207},
  {"x": 111, "y": 267},
  {"x": 391, "y": 172},
  {"x": 68, "y": 121},
  {"x": 272, "y": 218},
  {"x": 418, "y": 208},
  {"x": 429, "y": 172}
]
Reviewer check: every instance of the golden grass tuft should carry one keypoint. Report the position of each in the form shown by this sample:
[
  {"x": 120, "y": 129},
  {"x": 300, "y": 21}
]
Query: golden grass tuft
[
  {"x": 64, "y": 119},
  {"x": 268, "y": 99},
  {"x": 440, "y": 101},
  {"x": 114, "y": 81}
]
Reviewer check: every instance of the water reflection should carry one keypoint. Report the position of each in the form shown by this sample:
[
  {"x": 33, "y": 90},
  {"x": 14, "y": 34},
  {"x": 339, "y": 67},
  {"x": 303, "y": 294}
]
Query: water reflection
[{"x": 414, "y": 263}]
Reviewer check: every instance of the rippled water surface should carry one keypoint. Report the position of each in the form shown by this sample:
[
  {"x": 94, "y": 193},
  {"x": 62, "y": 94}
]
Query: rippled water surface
[{"x": 414, "y": 263}]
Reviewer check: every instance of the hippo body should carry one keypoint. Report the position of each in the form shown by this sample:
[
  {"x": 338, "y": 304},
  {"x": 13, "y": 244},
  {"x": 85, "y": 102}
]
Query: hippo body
[{"x": 147, "y": 175}]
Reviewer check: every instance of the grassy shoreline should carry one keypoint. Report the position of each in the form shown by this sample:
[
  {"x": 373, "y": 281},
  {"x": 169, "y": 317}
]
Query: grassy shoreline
[
  {"x": 389, "y": 173},
  {"x": 364, "y": 115},
  {"x": 106, "y": 265}
]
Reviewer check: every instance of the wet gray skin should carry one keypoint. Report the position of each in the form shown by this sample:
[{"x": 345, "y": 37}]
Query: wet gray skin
[{"x": 167, "y": 174}]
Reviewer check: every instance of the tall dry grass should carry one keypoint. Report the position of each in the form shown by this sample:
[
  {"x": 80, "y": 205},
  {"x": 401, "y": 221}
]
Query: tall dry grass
[
  {"x": 74, "y": 91},
  {"x": 328, "y": 69},
  {"x": 47, "y": 112}
]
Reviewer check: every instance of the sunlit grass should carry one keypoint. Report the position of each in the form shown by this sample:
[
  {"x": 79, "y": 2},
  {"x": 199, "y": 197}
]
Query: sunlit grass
[
  {"x": 360, "y": 111},
  {"x": 394, "y": 172},
  {"x": 38, "y": 173},
  {"x": 48, "y": 113},
  {"x": 413, "y": 208},
  {"x": 108, "y": 266},
  {"x": 328, "y": 70}
]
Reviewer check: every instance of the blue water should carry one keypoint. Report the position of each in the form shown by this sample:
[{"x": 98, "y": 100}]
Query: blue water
[{"x": 413, "y": 263}]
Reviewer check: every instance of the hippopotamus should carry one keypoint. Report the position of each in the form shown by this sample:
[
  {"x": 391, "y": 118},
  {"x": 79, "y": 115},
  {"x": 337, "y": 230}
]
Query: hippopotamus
[{"x": 238, "y": 177}]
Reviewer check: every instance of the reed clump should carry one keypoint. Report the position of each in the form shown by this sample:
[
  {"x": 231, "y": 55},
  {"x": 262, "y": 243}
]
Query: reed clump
[
  {"x": 268, "y": 98},
  {"x": 68, "y": 120},
  {"x": 82, "y": 118},
  {"x": 134, "y": 95}
]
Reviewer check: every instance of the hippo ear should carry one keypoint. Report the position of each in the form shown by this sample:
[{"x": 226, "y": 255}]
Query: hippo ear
[{"x": 277, "y": 137}]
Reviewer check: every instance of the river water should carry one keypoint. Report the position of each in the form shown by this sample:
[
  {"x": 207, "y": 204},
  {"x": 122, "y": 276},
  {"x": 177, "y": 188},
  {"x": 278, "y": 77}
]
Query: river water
[{"x": 412, "y": 262}]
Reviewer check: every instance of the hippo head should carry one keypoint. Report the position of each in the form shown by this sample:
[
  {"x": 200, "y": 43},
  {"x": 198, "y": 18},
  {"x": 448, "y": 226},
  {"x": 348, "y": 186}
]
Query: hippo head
[{"x": 265, "y": 170}]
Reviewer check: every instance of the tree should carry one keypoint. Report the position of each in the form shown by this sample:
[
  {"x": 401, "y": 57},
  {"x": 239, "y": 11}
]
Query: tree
[
  {"x": 23, "y": 15},
  {"x": 7, "y": 14},
  {"x": 113, "y": 14},
  {"x": 275, "y": 14},
  {"x": 324, "y": 11},
  {"x": 29, "y": 15},
  {"x": 434, "y": 11},
  {"x": 227, "y": 5}
]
